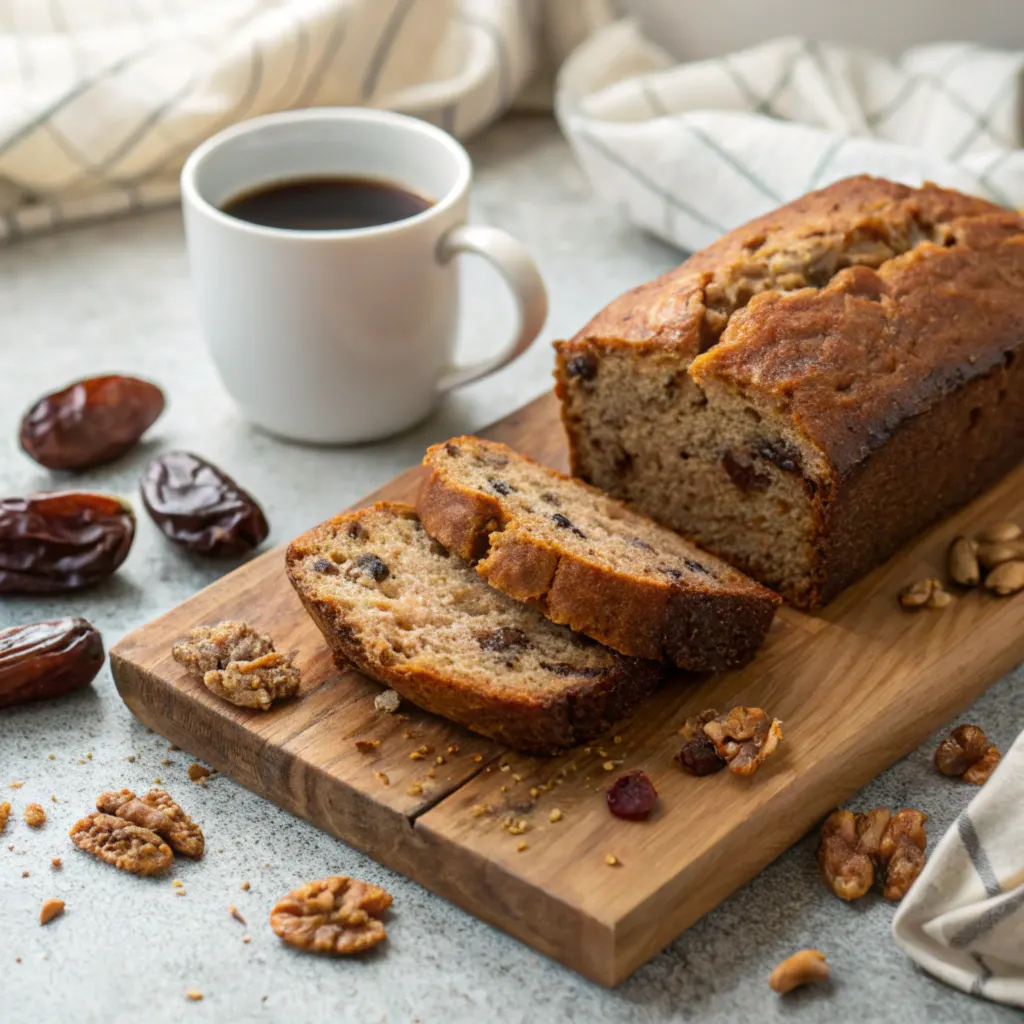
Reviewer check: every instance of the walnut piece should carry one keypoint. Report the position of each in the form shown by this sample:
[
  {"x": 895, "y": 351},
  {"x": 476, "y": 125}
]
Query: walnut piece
[
  {"x": 35, "y": 816},
  {"x": 389, "y": 701},
  {"x": 160, "y": 814},
  {"x": 802, "y": 967},
  {"x": 744, "y": 737},
  {"x": 238, "y": 664},
  {"x": 847, "y": 871},
  {"x": 966, "y": 752},
  {"x": 981, "y": 771},
  {"x": 50, "y": 909},
  {"x": 855, "y": 849},
  {"x": 698, "y": 755},
  {"x": 335, "y": 915},
  {"x": 5, "y": 813},
  {"x": 116, "y": 841}
]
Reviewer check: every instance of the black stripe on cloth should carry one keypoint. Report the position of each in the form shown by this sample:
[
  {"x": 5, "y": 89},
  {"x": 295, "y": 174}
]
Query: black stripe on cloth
[
  {"x": 327, "y": 55},
  {"x": 979, "y": 858},
  {"x": 992, "y": 918},
  {"x": 978, "y": 985},
  {"x": 728, "y": 158},
  {"x": 665, "y": 196},
  {"x": 380, "y": 54},
  {"x": 501, "y": 51}
]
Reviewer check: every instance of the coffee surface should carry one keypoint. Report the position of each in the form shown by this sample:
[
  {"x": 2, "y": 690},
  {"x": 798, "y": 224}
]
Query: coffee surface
[{"x": 326, "y": 204}]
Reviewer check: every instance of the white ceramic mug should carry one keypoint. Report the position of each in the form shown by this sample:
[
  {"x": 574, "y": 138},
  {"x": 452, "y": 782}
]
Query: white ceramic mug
[{"x": 348, "y": 335}]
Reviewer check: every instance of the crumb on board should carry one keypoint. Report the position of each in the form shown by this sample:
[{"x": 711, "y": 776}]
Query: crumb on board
[
  {"x": 244, "y": 887},
  {"x": 611, "y": 860}
]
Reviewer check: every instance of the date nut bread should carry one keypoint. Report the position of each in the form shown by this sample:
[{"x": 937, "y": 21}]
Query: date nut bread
[
  {"x": 392, "y": 602},
  {"x": 815, "y": 388},
  {"x": 588, "y": 561}
]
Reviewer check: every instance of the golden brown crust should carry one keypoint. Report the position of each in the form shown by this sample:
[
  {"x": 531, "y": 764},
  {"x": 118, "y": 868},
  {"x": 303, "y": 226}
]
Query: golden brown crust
[
  {"x": 697, "y": 627},
  {"x": 541, "y": 723}
]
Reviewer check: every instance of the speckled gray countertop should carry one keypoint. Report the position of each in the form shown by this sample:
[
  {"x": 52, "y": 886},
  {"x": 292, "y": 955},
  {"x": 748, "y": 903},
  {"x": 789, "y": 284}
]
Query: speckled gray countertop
[{"x": 115, "y": 297}]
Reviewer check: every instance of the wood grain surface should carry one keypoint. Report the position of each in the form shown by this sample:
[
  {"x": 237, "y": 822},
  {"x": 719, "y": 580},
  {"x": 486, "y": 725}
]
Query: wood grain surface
[{"x": 857, "y": 686}]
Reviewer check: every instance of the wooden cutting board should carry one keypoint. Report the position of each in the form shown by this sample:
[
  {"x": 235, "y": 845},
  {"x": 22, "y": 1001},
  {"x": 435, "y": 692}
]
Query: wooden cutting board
[{"x": 857, "y": 687}]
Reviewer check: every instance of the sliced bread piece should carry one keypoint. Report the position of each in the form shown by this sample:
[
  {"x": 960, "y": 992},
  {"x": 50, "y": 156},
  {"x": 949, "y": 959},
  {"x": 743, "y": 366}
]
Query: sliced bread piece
[
  {"x": 588, "y": 561},
  {"x": 398, "y": 607}
]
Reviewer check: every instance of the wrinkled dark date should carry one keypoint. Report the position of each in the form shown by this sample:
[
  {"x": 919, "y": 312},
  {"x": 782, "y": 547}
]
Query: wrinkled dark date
[
  {"x": 90, "y": 422},
  {"x": 201, "y": 508},
  {"x": 47, "y": 659},
  {"x": 62, "y": 540}
]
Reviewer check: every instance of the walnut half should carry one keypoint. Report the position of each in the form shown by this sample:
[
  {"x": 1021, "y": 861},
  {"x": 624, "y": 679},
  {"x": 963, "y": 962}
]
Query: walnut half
[
  {"x": 966, "y": 752},
  {"x": 336, "y": 915}
]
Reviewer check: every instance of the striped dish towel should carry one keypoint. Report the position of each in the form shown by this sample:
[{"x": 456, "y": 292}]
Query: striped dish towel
[
  {"x": 101, "y": 101},
  {"x": 963, "y": 919},
  {"x": 692, "y": 150}
]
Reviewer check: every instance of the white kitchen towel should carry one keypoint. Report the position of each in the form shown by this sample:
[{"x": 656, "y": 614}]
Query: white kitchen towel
[
  {"x": 963, "y": 919},
  {"x": 692, "y": 150},
  {"x": 101, "y": 101}
]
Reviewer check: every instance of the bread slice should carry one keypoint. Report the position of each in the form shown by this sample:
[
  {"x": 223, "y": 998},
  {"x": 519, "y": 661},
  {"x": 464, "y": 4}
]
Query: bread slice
[
  {"x": 398, "y": 607},
  {"x": 588, "y": 561}
]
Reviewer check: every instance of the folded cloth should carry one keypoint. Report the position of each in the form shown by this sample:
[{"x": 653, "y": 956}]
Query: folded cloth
[
  {"x": 692, "y": 150},
  {"x": 963, "y": 919},
  {"x": 101, "y": 101}
]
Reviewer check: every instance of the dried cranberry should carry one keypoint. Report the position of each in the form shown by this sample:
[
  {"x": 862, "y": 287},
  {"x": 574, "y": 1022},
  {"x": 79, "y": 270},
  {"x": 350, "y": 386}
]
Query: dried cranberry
[
  {"x": 631, "y": 796},
  {"x": 699, "y": 757}
]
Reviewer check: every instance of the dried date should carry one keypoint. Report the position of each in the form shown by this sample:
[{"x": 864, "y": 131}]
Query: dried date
[
  {"x": 62, "y": 540},
  {"x": 47, "y": 659},
  {"x": 90, "y": 422},
  {"x": 200, "y": 507}
]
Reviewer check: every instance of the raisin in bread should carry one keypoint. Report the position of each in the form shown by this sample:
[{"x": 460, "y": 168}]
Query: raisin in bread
[
  {"x": 398, "y": 607},
  {"x": 588, "y": 561},
  {"x": 815, "y": 388}
]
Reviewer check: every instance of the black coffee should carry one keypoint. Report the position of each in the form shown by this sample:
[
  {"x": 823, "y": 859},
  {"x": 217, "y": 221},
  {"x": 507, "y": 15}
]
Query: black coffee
[{"x": 326, "y": 204}]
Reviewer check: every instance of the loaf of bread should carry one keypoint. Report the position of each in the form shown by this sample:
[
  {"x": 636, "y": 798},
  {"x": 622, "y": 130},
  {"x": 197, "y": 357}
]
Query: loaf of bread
[
  {"x": 588, "y": 561},
  {"x": 811, "y": 391},
  {"x": 395, "y": 604}
]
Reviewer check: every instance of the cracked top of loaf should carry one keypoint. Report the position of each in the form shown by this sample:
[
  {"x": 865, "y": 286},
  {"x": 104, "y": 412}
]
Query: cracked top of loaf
[{"x": 850, "y": 309}]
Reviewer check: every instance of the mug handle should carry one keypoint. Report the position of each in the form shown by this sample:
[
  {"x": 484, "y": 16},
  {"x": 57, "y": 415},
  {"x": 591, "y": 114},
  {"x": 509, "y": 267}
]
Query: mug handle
[{"x": 520, "y": 272}]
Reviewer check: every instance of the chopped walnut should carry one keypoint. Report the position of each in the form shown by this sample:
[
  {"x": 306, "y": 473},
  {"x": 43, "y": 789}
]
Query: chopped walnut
[
  {"x": 698, "y": 755},
  {"x": 159, "y": 813},
  {"x": 856, "y": 848},
  {"x": 967, "y": 752},
  {"x": 802, "y": 967},
  {"x": 198, "y": 772},
  {"x": 388, "y": 701},
  {"x": 367, "y": 746},
  {"x": 116, "y": 841},
  {"x": 35, "y": 816},
  {"x": 238, "y": 664},
  {"x": 334, "y": 915},
  {"x": 50, "y": 909},
  {"x": 255, "y": 684},
  {"x": 848, "y": 872},
  {"x": 5, "y": 813},
  {"x": 744, "y": 738}
]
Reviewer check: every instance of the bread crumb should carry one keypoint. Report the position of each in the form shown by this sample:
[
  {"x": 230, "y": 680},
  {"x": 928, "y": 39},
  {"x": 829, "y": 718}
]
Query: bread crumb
[
  {"x": 244, "y": 887},
  {"x": 415, "y": 789},
  {"x": 198, "y": 772},
  {"x": 478, "y": 757},
  {"x": 453, "y": 748},
  {"x": 53, "y": 798},
  {"x": 17, "y": 785},
  {"x": 534, "y": 792},
  {"x": 479, "y": 810},
  {"x": 24, "y": 874},
  {"x": 616, "y": 739},
  {"x": 35, "y": 816},
  {"x": 506, "y": 767},
  {"x": 177, "y": 883},
  {"x": 158, "y": 782},
  {"x": 130, "y": 759},
  {"x": 517, "y": 778},
  {"x": 611, "y": 860},
  {"x": 56, "y": 863},
  {"x": 51, "y": 908},
  {"x": 165, "y": 762},
  {"x": 194, "y": 994},
  {"x": 555, "y": 815},
  {"x": 233, "y": 911},
  {"x": 609, "y": 766},
  {"x": 415, "y": 756},
  {"x": 53, "y": 757},
  {"x": 180, "y": 892},
  {"x": 89, "y": 755},
  {"x": 389, "y": 701},
  {"x": 439, "y": 760},
  {"x": 522, "y": 845},
  {"x": 367, "y": 746},
  {"x": 382, "y": 778},
  {"x": 246, "y": 939}
]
